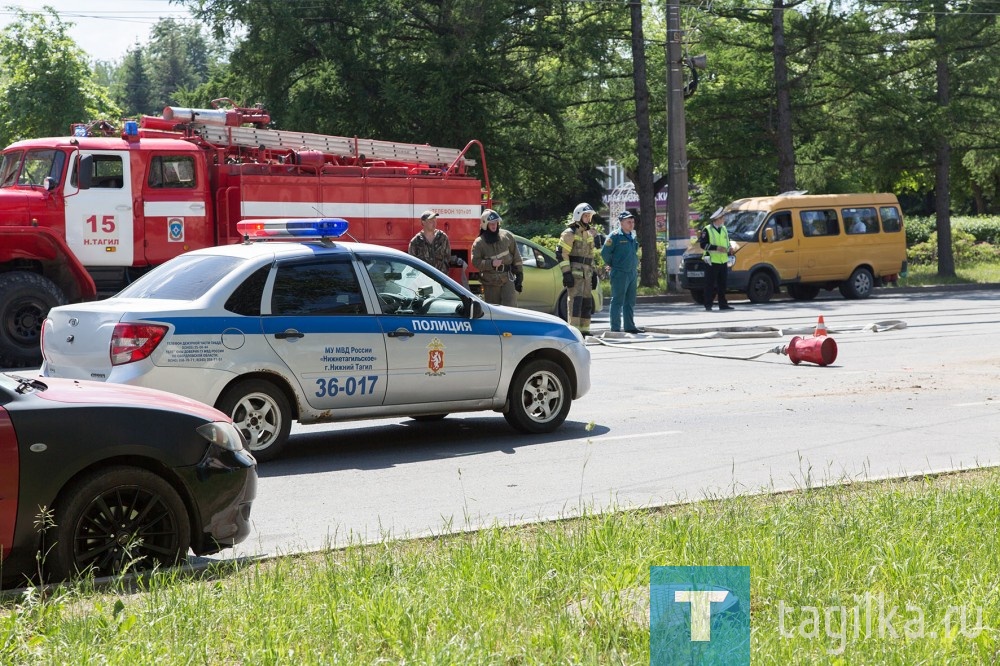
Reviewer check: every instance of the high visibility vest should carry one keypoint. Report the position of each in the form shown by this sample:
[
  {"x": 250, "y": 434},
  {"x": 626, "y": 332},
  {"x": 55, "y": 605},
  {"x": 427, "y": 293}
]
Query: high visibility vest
[{"x": 720, "y": 238}]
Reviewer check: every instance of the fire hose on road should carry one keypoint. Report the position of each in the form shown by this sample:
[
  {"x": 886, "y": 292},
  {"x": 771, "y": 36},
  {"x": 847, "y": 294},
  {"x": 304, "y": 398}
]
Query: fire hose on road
[{"x": 819, "y": 348}]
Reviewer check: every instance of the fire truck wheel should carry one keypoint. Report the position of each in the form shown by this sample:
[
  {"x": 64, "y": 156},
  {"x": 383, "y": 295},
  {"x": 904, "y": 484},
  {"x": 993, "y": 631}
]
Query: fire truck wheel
[
  {"x": 539, "y": 398},
  {"x": 25, "y": 300},
  {"x": 261, "y": 412}
]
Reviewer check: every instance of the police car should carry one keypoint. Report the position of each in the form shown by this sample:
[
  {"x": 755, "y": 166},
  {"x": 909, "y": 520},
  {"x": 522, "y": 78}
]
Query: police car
[{"x": 318, "y": 330}]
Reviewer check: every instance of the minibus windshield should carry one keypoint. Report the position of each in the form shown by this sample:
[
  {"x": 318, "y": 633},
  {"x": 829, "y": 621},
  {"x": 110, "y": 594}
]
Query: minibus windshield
[{"x": 743, "y": 224}]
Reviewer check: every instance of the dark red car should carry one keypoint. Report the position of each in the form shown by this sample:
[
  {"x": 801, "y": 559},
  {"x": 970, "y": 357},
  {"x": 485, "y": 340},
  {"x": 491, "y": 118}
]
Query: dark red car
[{"x": 99, "y": 478}]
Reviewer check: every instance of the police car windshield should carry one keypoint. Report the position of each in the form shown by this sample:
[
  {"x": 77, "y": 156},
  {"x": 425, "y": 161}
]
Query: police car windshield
[
  {"x": 743, "y": 224},
  {"x": 183, "y": 278}
]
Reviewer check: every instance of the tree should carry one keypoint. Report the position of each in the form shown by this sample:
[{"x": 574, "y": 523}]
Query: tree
[
  {"x": 132, "y": 87},
  {"x": 943, "y": 70},
  {"x": 177, "y": 58},
  {"x": 648, "y": 274},
  {"x": 520, "y": 77},
  {"x": 48, "y": 84}
]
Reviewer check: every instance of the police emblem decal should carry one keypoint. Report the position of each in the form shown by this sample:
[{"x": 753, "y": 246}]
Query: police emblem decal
[{"x": 435, "y": 358}]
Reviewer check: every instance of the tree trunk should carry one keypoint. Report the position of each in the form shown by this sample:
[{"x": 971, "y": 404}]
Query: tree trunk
[
  {"x": 942, "y": 162},
  {"x": 783, "y": 141},
  {"x": 646, "y": 226}
]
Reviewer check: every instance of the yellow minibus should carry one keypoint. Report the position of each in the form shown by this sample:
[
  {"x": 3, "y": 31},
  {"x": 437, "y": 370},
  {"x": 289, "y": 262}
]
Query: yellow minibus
[{"x": 807, "y": 242}]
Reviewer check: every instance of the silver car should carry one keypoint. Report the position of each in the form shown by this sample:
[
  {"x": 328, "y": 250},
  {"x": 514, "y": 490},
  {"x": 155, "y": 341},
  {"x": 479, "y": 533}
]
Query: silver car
[{"x": 320, "y": 331}]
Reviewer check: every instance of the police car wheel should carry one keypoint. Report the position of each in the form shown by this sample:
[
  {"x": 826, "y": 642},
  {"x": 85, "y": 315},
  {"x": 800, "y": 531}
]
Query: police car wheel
[
  {"x": 261, "y": 412},
  {"x": 539, "y": 398}
]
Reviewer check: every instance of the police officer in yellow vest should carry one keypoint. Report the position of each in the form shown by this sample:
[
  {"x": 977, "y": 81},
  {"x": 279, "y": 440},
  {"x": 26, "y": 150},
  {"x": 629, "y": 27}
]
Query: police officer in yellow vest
[
  {"x": 714, "y": 240},
  {"x": 576, "y": 254}
]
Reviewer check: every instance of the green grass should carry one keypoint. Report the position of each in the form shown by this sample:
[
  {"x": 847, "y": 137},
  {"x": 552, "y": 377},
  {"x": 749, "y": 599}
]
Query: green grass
[
  {"x": 924, "y": 275},
  {"x": 568, "y": 592},
  {"x": 919, "y": 276}
]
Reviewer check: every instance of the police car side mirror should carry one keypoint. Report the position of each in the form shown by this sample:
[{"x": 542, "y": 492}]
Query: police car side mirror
[{"x": 471, "y": 308}]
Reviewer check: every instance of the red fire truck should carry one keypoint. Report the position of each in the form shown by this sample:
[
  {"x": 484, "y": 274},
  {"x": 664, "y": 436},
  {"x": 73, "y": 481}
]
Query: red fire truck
[{"x": 83, "y": 215}]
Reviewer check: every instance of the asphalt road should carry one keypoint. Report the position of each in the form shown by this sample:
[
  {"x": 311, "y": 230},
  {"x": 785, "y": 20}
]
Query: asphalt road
[{"x": 662, "y": 425}]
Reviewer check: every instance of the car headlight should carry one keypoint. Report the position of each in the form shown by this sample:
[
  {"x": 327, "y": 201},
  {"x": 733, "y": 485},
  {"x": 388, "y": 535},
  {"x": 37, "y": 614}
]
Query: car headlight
[{"x": 222, "y": 434}]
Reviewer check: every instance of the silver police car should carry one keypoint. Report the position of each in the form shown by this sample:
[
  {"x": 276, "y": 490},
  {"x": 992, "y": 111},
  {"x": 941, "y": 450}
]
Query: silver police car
[{"x": 316, "y": 330}]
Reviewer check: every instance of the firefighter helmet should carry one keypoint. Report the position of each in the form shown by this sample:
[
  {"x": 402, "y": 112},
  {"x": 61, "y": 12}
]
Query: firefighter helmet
[
  {"x": 489, "y": 215},
  {"x": 580, "y": 210}
]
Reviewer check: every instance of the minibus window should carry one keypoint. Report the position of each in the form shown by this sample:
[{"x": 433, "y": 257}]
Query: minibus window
[
  {"x": 819, "y": 223},
  {"x": 859, "y": 220},
  {"x": 891, "y": 221},
  {"x": 782, "y": 225}
]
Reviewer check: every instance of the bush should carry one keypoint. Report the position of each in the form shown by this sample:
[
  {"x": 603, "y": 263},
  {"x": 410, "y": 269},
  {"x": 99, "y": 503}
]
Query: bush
[
  {"x": 967, "y": 251},
  {"x": 919, "y": 230},
  {"x": 983, "y": 229}
]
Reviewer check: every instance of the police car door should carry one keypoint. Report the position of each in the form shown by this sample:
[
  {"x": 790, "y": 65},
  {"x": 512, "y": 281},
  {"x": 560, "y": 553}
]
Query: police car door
[
  {"x": 436, "y": 353},
  {"x": 320, "y": 327},
  {"x": 99, "y": 220}
]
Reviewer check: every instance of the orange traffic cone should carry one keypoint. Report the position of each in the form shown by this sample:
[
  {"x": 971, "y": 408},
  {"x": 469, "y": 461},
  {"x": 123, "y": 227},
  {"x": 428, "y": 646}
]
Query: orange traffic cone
[{"x": 820, "y": 327}]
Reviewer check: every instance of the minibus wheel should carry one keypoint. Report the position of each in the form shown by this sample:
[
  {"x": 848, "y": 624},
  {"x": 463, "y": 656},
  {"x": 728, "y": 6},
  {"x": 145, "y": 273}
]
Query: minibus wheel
[
  {"x": 859, "y": 285},
  {"x": 760, "y": 289}
]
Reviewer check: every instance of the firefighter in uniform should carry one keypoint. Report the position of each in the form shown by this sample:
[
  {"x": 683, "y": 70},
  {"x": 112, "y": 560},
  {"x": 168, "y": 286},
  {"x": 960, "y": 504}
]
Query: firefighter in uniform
[
  {"x": 576, "y": 254},
  {"x": 714, "y": 240},
  {"x": 621, "y": 254},
  {"x": 495, "y": 256}
]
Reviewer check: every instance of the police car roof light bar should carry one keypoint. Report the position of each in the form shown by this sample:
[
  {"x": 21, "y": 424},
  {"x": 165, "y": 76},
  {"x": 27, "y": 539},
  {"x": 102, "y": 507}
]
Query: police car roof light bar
[{"x": 296, "y": 229}]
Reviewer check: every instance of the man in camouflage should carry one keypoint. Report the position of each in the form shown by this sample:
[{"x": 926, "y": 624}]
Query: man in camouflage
[{"x": 432, "y": 245}]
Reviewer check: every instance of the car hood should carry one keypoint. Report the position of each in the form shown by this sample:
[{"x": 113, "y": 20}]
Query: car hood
[
  {"x": 84, "y": 392},
  {"x": 537, "y": 323}
]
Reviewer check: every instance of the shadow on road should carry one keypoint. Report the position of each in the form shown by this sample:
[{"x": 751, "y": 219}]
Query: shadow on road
[{"x": 387, "y": 444}]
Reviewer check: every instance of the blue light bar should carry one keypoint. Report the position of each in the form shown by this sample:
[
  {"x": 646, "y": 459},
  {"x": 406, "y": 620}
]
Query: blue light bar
[
  {"x": 297, "y": 228},
  {"x": 329, "y": 227}
]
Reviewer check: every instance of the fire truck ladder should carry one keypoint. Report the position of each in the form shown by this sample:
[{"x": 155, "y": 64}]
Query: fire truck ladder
[{"x": 251, "y": 137}]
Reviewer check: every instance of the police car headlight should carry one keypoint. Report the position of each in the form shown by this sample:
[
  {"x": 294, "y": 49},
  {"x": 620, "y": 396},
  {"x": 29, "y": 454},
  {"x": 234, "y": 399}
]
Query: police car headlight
[{"x": 222, "y": 434}]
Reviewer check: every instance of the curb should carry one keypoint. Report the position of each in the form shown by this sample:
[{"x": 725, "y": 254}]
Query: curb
[{"x": 685, "y": 297}]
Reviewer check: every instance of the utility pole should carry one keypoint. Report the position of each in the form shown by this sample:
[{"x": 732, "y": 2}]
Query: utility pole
[{"x": 677, "y": 174}]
